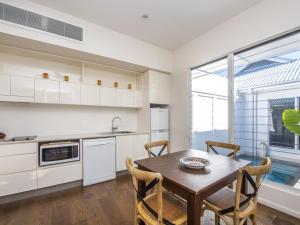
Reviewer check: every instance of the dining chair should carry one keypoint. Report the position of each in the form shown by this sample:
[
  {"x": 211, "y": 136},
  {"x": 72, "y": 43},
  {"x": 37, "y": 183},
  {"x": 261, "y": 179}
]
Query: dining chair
[
  {"x": 163, "y": 144},
  {"x": 159, "y": 207},
  {"x": 227, "y": 203},
  {"x": 232, "y": 147}
]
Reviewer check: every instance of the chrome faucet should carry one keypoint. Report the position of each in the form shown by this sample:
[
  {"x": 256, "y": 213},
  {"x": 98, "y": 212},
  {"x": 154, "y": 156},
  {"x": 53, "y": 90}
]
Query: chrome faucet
[{"x": 114, "y": 127}]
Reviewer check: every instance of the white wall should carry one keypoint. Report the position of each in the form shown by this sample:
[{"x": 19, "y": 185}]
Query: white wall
[
  {"x": 96, "y": 39},
  {"x": 264, "y": 20},
  {"x": 17, "y": 119}
]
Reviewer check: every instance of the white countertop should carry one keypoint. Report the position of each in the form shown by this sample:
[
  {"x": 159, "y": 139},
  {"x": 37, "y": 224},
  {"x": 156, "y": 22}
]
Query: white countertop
[{"x": 71, "y": 137}]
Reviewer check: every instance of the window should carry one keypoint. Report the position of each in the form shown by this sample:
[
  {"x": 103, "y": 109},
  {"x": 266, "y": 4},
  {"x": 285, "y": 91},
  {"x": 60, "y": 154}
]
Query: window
[{"x": 279, "y": 136}]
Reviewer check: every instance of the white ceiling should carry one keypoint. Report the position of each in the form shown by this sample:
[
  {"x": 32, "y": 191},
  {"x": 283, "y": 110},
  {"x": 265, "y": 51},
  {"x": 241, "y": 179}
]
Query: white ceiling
[{"x": 171, "y": 23}]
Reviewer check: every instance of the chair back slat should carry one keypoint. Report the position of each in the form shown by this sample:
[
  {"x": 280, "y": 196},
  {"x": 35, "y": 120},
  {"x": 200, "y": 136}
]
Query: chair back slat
[
  {"x": 233, "y": 147},
  {"x": 163, "y": 144}
]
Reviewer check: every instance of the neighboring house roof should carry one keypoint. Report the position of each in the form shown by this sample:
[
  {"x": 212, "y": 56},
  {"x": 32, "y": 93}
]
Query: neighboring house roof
[
  {"x": 276, "y": 74},
  {"x": 256, "y": 66}
]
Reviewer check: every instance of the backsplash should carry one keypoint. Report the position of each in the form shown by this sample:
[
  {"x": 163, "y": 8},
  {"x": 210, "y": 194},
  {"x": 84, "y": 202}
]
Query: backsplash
[{"x": 18, "y": 119}]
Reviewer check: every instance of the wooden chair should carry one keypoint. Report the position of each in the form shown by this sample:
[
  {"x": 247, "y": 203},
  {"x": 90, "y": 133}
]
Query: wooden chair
[
  {"x": 163, "y": 144},
  {"x": 234, "y": 148},
  {"x": 159, "y": 207},
  {"x": 227, "y": 203}
]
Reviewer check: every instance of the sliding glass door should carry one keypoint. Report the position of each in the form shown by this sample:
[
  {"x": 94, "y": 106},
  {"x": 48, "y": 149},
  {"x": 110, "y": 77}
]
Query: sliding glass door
[
  {"x": 265, "y": 80},
  {"x": 209, "y": 103}
]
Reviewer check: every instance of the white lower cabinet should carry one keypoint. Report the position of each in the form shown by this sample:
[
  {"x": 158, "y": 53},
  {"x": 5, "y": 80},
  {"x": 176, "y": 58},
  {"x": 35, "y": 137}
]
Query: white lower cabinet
[
  {"x": 18, "y": 182},
  {"x": 46, "y": 91},
  {"x": 58, "y": 175},
  {"x": 18, "y": 163},
  {"x": 18, "y": 149},
  {"x": 89, "y": 94},
  {"x": 69, "y": 93},
  {"x": 130, "y": 146}
]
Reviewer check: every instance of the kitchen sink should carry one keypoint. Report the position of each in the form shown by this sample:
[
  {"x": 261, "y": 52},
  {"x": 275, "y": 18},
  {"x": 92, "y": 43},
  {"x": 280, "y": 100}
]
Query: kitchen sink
[{"x": 116, "y": 132}]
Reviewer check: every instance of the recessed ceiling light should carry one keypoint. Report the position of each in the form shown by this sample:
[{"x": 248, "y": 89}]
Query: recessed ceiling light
[{"x": 145, "y": 16}]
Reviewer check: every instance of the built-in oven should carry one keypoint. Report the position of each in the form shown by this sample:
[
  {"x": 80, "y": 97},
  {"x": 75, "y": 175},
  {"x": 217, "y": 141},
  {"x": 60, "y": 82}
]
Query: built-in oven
[{"x": 52, "y": 153}]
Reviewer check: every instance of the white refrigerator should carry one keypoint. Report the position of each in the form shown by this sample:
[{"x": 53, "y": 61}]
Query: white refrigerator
[{"x": 159, "y": 126}]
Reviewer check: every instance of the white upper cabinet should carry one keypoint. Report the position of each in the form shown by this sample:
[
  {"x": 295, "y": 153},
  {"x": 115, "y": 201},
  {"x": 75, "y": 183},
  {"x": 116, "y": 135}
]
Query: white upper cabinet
[
  {"x": 69, "y": 93},
  {"x": 46, "y": 91},
  {"x": 159, "y": 88},
  {"x": 90, "y": 94},
  {"x": 108, "y": 96},
  {"x": 22, "y": 86},
  {"x": 4, "y": 85}
]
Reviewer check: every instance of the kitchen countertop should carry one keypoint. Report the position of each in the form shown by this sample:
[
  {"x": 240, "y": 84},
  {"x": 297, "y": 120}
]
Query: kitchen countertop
[{"x": 71, "y": 137}]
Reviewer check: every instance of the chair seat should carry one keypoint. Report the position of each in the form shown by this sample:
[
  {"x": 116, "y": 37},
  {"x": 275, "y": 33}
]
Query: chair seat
[
  {"x": 174, "y": 209},
  {"x": 224, "y": 199}
]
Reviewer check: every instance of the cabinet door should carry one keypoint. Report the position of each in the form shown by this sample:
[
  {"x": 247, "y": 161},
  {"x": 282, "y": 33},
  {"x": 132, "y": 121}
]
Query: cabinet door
[
  {"x": 124, "y": 150},
  {"x": 22, "y": 86},
  {"x": 138, "y": 99},
  {"x": 46, "y": 91},
  {"x": 69, "y": 93},
  {"x": 18, "y": 182},
  {"x": 159, "y": 88},
  {"x": 17, "y": 163},
  {"x": 4, "y": 85},
  {"x": 108, "y": 96},
  {"x": 89, "y": 94},
  {"x": 59, "y": 175},
  {"x": 139, "y": 152}
]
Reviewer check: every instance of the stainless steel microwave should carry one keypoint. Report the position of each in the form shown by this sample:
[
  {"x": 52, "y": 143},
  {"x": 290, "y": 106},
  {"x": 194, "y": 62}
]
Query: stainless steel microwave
[{"x": 58, "y": 152}]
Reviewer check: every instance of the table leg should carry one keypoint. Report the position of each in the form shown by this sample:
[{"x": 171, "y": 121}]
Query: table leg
[
  {"x": 194, "y": 210},
  {"x": 244, "y": 190},
  {"x": 141, "y": 185}
]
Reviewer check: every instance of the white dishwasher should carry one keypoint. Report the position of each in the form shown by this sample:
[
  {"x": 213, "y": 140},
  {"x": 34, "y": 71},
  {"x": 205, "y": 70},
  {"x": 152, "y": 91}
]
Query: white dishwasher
[{"x": 99, "y": 160}]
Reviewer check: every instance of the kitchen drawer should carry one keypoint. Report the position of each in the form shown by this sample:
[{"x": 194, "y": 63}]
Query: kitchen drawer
[
  {"x": 17, "y": 163},
  {"x": 18, "y": 182},
  {"x": 59, "y": 175},
  {"x": 17, "y": 149}
]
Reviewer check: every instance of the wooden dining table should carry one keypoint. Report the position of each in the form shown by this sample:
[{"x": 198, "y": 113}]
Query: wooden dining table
[{"x": 190, "y": 184}]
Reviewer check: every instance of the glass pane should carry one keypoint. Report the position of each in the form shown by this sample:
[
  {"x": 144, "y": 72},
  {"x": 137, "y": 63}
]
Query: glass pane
[
  {"x": 209, "y": 104},
  {"x": 267, "y": 82}
]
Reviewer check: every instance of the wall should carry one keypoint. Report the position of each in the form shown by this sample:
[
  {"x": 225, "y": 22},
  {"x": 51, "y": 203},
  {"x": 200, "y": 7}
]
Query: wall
[
  {"x": 96, "y": 39},
  {"x": 259, "y": 22},
  {"x": 19, "y": 119}
]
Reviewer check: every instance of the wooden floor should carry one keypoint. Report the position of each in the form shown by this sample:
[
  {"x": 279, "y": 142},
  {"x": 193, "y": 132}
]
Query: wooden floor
[{"x": 109, "y": 203}]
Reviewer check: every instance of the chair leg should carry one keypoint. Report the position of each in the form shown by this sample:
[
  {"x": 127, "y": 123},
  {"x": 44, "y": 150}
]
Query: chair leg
[
  {"x": 253, "y": 218},
  {"x": 217, "y": 219}
]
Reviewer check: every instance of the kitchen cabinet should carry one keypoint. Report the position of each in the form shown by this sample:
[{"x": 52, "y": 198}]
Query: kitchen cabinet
[
  {"x": 69, "y": 93},
  {"x": 18, "y": 163},
  {"x": 46, "y": 91},
  {"x": 107, "y": 96},
  {"x": 51, "y": 176},
  {"x": 18, "y": 182},
  {"x": 159, "y": 88},
  {"x": 18, "y": 149},
  {"x": 130, "y": 146},
  {"x": 22, "y": 86},
  {"x": 90, "y": 94},
  {"x": 4, "y": 85},
  {"x": 139, "y": 152}
]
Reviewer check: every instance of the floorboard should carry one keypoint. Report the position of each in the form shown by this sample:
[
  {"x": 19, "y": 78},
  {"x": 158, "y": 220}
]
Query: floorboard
[{"x": 108, "y": 203}]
